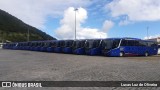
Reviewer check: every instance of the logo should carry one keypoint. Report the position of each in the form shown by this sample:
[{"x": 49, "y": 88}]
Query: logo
[{"x": 6, "y": 84}]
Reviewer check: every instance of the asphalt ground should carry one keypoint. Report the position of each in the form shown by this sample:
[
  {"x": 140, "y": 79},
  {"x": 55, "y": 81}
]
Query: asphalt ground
[{"x": 19, "y": 65}]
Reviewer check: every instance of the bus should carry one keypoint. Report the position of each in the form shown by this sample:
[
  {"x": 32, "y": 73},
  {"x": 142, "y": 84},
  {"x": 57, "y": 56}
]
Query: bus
[
  {"x": 17, "y": 45},
  {"x": 68, "y": 46},
  {"x": 33, "y": 46},
  {"x": 8, "y": 45},
  {"x": 93, "y": 47},
  {"x": 59, "y": 46},
  {"x": 21, "y": 45},
  {"x": 128, "y": 47},
  {"x": 52, "y": 46},
  {"x": 45, "y": 46},
  {"x": 27, "y": 45},
  {"x": 38, "y": 46},
  {"x": 78, "y": 47}
]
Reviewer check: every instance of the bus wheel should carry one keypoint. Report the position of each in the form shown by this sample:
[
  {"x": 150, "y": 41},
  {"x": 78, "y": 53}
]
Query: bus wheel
[
  {"x": 146, "y": 54},
  {"x": 121, "y": 54}
]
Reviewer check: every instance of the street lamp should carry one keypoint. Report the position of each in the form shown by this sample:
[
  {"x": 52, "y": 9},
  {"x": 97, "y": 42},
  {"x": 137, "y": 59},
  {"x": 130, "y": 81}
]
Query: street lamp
[{"x": 76, "y": 9}]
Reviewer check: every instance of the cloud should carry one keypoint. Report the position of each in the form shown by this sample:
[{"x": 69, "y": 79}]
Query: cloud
[
  {"x": 150, "y": 37},
  {"x": 67, "y": 28},
  {"x": 107, "y": 25},
  {"x": 35, "y": 12},
  {"x": 135, "y": 10}
]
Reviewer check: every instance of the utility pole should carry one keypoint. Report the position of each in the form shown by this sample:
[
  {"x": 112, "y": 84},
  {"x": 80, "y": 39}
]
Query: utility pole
[{"x": 75, "y": 22}]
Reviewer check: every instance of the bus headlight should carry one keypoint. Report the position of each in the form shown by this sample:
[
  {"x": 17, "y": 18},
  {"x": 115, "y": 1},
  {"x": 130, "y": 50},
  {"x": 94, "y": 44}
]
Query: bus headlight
[{"x": 121, "y": 49}]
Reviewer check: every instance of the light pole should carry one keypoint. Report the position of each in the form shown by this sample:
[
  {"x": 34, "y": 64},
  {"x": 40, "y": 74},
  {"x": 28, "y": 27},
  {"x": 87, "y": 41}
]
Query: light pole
[
  {"x": 75, "y": 21},
  {"x": 147, "y": 32}
]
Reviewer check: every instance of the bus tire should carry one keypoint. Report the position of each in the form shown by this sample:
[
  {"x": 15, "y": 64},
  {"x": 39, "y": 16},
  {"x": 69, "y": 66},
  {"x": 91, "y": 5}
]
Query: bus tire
[
  {"x": 121, "y": 54},
  {"x": 146, "y": 54}
]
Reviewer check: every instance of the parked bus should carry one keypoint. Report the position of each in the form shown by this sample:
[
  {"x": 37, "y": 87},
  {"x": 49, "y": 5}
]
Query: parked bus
[
  {"x": 5, "y": 46},
  {"x": 39, "y": 45},
  {"x": 45, "y": 46},
  {"x": 8, "y": 45},
  {"x": 93, "y": 47},
  {"x": 128, "y": 47},
  {"x": 78, "y": 47},
  {"x": 52, "y": 46},
  {"x": 27, "y": 45},
  {"x": 59, "y": 46},
  {"x": 68, "y": 46},
  {"x": 34, "y": 44},
  {"x": 17, "y": 45},
  {"x": 21, "y": 45}
]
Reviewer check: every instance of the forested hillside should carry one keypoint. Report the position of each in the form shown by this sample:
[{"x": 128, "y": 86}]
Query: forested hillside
[{"x": 14, "y": 30}]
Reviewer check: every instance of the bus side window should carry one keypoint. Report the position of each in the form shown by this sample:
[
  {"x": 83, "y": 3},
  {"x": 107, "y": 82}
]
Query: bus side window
[
  {"x": 124, "y": 43},
  {"x": 136, "y": 43},
  {"x": 130, "y": 42}
]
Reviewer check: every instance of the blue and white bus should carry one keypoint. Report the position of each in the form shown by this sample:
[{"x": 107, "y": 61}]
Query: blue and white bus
[
  {"x": 68, "y": 46},
  {"x": 78, "y": 47},
  {"x": 93, "y": 47},
  {"x": 128, "y": 47}
]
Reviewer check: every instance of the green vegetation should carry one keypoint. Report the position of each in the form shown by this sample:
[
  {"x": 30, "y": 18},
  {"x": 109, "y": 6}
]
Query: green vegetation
[{"x": 14, "y": 30}]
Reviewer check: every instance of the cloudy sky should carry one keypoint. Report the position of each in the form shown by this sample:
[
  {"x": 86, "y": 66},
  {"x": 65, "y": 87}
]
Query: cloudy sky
[{"x": 95, "y": 18}]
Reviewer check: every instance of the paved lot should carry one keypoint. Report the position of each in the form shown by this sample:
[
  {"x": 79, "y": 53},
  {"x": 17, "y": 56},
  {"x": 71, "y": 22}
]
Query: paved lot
[{"x": 35, "y": 66}]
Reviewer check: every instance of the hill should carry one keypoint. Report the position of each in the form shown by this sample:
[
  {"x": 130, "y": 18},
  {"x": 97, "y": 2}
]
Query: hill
[{"x": 14, "y": 30}]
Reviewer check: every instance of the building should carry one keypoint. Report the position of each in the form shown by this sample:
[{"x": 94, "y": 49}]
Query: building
[{"x": 155, "y": 39}]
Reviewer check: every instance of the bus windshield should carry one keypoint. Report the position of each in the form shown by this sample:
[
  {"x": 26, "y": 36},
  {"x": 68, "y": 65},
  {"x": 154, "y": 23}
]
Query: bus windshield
[
  {"x": 92, "y": 43},
  {"x": 110, "y": 43},
  {"x": 41, "y": 44},
  {"x": 68, "y": 43},
  {"x": 47, "y": 44},
  {"x": 78, "y": 44},
  {"x": 53, "y": 44},
  {"x": 59, "y": 44}
]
